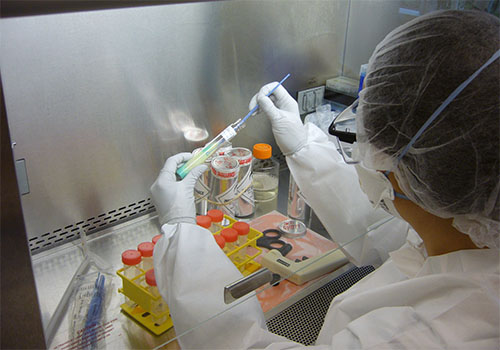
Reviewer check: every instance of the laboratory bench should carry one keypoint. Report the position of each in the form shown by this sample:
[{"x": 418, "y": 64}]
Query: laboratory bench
[{"x": 58, "y": 275}]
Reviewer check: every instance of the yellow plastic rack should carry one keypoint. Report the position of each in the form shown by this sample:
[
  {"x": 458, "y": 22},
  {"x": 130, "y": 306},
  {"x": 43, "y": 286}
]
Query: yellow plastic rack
[
  {"x": 247, "y": 265},
  {"x": 142, "y": 313},
  {"x": 135, "y": 291}
]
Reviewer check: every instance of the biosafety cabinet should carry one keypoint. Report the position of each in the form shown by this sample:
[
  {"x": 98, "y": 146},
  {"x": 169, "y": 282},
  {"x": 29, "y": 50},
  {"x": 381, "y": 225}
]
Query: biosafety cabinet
[{"x": 96, "y": 96}]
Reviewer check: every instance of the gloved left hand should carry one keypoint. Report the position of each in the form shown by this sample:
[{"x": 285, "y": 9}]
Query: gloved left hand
[{"x": 174, "y": 200}]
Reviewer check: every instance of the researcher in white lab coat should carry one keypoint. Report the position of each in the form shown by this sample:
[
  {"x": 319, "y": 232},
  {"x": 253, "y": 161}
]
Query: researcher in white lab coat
[{"x": 427, "y": 151}]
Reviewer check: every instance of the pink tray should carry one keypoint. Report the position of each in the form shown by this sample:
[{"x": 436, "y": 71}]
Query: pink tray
[{"x": 311, "y": 245}]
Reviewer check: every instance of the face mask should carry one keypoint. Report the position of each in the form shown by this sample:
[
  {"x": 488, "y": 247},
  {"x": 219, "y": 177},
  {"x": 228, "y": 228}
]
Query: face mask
[{"x": 378, "y": 189}]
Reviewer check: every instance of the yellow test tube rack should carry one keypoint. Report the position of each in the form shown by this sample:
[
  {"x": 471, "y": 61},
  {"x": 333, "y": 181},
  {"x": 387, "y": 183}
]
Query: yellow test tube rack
[
  {"x": 247, "y": 265},
  {"x": 135, "y": 289}
]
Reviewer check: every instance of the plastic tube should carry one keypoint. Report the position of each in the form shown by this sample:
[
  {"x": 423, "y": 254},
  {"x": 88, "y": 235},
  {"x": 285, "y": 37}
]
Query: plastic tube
[
  {"x": 158, "y": 306},
  {"x": 217, "y": 216},
  {"x": 243, "y": 229},
  {"x": 146, "y": 250},
  {"x": 231, "y": 236},
  {"x": 226, "y": 135},
  {"x": 131, "y": 259}
]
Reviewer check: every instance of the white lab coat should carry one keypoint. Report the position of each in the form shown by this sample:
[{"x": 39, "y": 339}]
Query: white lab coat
[{"x": 411, "y": 301}]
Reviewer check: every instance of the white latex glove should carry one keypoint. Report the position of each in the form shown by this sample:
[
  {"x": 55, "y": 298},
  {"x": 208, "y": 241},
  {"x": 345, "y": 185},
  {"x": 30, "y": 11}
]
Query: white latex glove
[
  {"x": 174, "y": 200},
  {"x": 283, "y": 112}
]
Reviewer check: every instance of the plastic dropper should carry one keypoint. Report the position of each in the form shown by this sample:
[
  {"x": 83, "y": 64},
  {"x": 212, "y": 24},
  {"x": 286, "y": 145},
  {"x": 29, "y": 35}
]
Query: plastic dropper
[{"x": 226, "y": 135}]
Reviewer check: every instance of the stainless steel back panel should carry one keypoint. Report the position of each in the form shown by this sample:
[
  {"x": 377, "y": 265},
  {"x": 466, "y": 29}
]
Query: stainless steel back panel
[
  {"x": 96, "y": 101},
  {"x": 371, "y": 20}
]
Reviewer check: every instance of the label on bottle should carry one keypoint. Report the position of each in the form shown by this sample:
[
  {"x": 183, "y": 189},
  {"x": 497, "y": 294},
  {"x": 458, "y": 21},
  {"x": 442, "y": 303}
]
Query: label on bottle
[
  {"x": 201, "y": 190},
  {"x": 227, "y": 196}
]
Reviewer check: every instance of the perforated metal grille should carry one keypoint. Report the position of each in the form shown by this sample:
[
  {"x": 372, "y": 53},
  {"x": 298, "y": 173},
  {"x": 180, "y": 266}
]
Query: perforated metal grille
[
  {"x": 302, "y": 321},
  {"x": 96, "y": 223}
]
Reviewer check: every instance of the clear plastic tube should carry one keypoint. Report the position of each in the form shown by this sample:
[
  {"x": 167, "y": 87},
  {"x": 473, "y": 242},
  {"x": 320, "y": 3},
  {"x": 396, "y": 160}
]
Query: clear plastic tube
[
  {"x": 131, "y": 260},
  {"x": 226, "y": 135},
  {"x": 158, "y": 306},
  {"x": 243, "y": 229},
  {"x": 230, "y": 236},
  {"x": 208, "y": 150}
]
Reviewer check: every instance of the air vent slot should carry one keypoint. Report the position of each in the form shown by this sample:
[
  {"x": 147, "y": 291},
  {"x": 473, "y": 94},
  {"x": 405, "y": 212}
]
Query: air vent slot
[{"x": 47, "y": 240}]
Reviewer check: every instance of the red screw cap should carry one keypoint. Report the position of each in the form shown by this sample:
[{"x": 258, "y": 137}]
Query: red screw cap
[
  {"x": 220, "y": 241},
  {"x": 150, "y": 277},
  {"x": 229, "y": 234},
  {"x": 216, "y": 215},
  {"x": 242, "y": 227},
  {"x": 204, "y": 221},
  {"x": 146, "y": 249},
  {"x": 131, "y": 257},
  {"x": 156, "y": 238}
]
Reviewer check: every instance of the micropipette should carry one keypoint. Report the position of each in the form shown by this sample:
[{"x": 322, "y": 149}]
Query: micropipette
[{"x": 226, "y": 135}]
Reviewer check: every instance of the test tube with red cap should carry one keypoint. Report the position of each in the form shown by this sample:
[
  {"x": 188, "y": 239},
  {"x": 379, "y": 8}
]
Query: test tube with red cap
[
  {"x": 243, "y": 229},
  {"x": 204, "y": 221},
  {"x": 158, "y": 306},
  {"x": 221, "y": 241},
  {"x": 217, "y": 216},
  {"x": 146, "y": 250},
  {"x": 231, "y": 236},
  {"x": 131, "y": 260},
  {"x": 156, "y": 238}
]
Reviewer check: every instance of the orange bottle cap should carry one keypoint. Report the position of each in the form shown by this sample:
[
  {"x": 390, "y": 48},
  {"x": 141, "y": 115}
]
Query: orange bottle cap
[
  {"x": 146, "y": 249},
  {"x": 221, "y": 241},
  {"x": 156, "y": 238},
  {"x": 242, "y": 227},
  {"x": 216, "y": 215},
  {"x": 204, "y": 221},
  {"x": 131, "y": 257},
  {"x": 229, "y": 234},
  {"x": 262, "y": 151},
  {"x": 150, "y": 277}
]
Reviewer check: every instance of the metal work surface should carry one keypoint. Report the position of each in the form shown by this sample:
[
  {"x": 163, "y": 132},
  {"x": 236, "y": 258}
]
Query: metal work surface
[{"x": 55, "y": 268}]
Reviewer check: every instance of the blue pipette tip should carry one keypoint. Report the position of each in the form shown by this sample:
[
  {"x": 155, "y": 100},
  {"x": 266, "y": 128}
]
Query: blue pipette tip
[{"x": 244, "y": 119}]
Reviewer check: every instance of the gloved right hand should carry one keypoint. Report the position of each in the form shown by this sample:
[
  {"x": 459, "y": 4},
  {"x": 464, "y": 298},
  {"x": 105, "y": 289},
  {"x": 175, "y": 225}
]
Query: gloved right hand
[{"x": 288, "y": 130}]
